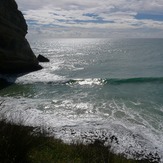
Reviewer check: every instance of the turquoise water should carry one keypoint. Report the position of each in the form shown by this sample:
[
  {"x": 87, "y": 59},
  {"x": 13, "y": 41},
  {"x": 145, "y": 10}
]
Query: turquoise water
[{"x": 94, "y": 88}]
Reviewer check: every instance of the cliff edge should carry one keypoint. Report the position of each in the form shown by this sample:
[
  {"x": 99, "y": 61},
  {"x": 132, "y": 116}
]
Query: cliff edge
[{"x": 15, "y": 53}]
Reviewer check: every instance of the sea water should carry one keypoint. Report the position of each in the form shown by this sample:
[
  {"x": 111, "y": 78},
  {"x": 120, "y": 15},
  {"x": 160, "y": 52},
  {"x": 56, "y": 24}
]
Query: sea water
[{"x": 107, "y": 89}]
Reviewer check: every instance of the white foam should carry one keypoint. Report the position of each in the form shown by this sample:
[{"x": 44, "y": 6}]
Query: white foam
[
  {"x": 41, "y": 77},
  {"x": 90, "y": 82},
  {"x": 65, "y": 116},
  {"x": 87, "y": 82},
  {"x": 45, "y": 75}
]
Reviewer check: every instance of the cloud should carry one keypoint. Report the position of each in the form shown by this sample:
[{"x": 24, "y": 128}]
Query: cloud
[{"x": 120, "y": 15}]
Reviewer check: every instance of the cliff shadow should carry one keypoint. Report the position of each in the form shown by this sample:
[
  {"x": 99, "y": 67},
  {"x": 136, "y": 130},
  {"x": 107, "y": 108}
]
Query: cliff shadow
[
  {"x": 7, "y": 80},
  {"x": 5, "y": 83}
]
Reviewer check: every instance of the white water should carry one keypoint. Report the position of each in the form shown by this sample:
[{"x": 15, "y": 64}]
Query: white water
[{"x": 72, "y": 100}]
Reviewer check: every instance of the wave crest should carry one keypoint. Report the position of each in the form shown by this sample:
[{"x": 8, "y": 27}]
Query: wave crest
[{"x": 99, "y": 81}]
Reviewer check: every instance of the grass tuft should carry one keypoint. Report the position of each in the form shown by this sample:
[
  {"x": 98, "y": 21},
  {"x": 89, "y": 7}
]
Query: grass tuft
[{"x": 20, "y": 144}]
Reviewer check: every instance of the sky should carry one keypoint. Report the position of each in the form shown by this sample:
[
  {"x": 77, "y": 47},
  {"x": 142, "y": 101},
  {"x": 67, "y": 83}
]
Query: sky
[{"x": 93, "y": 18}]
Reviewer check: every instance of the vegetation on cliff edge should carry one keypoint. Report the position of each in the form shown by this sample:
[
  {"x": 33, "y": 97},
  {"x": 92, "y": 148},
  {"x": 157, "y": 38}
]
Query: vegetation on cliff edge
[{"x": 20, "y": 144}]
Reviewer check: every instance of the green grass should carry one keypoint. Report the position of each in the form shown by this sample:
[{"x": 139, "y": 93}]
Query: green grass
[{"x": 19, "y": 144}]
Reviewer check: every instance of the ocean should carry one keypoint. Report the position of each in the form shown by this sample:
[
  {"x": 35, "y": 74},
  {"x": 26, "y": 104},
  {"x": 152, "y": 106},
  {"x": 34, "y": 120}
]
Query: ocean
[{"x": 107, "y": 89}]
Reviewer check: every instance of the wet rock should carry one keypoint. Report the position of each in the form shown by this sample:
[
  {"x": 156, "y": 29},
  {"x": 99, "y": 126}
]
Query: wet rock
[
  {"x": 113, "y": 138},
  {"x": 41, "y": 58}
]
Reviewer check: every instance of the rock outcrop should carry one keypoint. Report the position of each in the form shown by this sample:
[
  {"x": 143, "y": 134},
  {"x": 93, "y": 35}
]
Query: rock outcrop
[
  {"x": 41, "y": 58},
  {"x": 15, "y": 52}
]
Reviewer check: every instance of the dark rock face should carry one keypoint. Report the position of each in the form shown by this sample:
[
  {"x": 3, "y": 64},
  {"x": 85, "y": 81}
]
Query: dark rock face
[
  {"x": 15, "y": 52},
  {"x": 41, "y": 58}
]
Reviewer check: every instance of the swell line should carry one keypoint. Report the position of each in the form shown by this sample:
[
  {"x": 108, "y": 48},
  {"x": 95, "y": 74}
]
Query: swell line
[
  {"x": 135, "y": 80},
  {"x": 115, "y": 81},
  {"x": 96, "y": 81}
]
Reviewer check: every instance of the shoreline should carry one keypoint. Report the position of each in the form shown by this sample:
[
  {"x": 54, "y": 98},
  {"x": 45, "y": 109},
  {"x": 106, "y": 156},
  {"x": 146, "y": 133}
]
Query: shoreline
[{"x": 28, "y": 144}]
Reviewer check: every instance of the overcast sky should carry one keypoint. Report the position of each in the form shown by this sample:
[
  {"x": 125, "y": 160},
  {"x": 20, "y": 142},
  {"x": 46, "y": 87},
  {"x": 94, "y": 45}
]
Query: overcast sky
[{"x": 93, "y": 18}]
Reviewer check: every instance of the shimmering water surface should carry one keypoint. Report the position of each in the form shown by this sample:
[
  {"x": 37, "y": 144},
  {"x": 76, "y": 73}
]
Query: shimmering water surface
[{"x": 94, "y": 88}]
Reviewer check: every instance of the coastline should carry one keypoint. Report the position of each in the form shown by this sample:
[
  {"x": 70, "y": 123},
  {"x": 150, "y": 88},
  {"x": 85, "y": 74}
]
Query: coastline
[
  {"x": 33, "y": 145},
  {"x": 136, "y": 104}
]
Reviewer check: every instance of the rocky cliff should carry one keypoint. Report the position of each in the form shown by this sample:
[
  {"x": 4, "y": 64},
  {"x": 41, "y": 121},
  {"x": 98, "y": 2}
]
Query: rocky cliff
[{"x": 15, "y": 52}]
